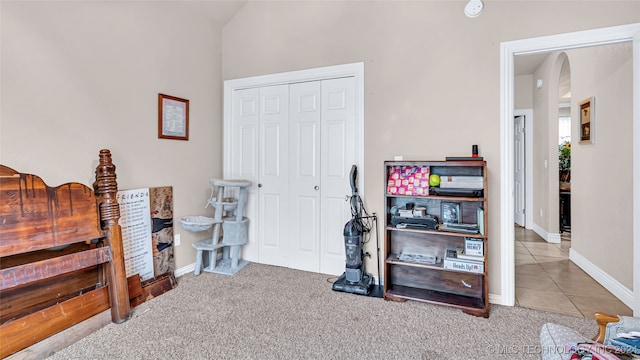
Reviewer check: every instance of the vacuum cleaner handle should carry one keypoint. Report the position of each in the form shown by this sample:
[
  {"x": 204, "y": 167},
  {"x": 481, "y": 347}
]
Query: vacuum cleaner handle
[{"x": 354, "y": 176}]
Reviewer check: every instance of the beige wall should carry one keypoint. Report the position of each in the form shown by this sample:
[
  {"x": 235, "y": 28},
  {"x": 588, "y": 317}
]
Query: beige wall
[
  {"x": 545, "y": 208},
  {"x": 81, "y": 76},
  {"x": 523, "y": 92},
  {"x": 601, "y": 173},
  {"x": 78, "y": 77},
  {"x": 544, "y": 101},
  {"x": 431, "y": 74}
]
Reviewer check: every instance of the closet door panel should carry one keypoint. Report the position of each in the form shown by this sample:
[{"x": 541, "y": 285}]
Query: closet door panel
[
  {"x": 273, "y": 192},
  {"x": 338, "y": 155},
  {"x": 244, "y": 157},
  {"x": 304, "y": 180}
]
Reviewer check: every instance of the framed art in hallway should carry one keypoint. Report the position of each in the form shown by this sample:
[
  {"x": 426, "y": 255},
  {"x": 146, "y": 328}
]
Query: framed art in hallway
[
  {"x": 173, "y": 117},
  {"x": 586, "y": 120}
]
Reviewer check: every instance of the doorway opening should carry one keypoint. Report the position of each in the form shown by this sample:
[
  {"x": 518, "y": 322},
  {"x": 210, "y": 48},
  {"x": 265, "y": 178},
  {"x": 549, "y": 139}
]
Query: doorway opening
[{"x": 582, "y": 39}]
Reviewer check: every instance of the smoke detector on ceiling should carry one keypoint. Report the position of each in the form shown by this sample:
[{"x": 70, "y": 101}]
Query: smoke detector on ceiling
[{"x": 473, "y": 8}]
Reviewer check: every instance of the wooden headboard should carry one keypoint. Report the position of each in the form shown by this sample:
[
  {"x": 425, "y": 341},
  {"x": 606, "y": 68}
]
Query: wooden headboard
[{"x": 61, "y": 255}]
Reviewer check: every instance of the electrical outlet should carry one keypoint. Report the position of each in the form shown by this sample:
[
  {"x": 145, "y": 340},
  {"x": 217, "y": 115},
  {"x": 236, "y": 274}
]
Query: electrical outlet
[
  {"x": 176, "y": 239},
  {"x": 541, "y": 213}
]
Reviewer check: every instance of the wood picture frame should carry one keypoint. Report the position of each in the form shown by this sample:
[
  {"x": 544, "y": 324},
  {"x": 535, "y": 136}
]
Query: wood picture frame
[
  {"x": 173, "y": 117},
  {"x": 587, "y": 118},
  {"x": 451, "y": 212}
]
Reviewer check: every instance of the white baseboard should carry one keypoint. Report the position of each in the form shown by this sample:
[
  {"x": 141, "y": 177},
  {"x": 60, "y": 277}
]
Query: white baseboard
[
  {"x": 191, "y": 267},
  {"x": 553, "y": 238},
  {"x": 614, "y": 286},
  {"x": 185, "y": 270},
  {"x": 495, "y": 299},
  {"x": 540, "y": 231}
]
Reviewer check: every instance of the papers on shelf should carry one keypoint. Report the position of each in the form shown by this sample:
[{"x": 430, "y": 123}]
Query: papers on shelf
[
  {"x": 418, "y": 258},
  {"x": 474, "y": 246},
  {"x": 461, "y": 228},
  {"x": 463, "y": 265},
  {"x": 456, "y": 259}
]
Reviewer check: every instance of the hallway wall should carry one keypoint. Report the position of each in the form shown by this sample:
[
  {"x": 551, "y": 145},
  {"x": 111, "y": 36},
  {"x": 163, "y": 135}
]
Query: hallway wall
[{"x": 602, "y": 172}]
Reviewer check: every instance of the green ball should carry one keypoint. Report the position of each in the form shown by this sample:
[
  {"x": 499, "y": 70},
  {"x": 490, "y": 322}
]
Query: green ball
[{"x": 434, "y": 180}]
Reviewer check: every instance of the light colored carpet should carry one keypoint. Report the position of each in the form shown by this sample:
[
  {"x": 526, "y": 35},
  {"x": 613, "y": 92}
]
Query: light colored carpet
[{"x": 267, "y": 312}]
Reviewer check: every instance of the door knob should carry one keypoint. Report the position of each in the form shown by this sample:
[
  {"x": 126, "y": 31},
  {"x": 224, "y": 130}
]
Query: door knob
[
  {"x": 316, "y": 187},
  {"x": 259, "y": 185}
]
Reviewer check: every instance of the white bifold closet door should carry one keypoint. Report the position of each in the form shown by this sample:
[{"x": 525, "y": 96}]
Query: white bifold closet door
[
  {"x": 304, "y": 176},
  {"x": 338, "y": 154},
  {"x": 295, "y": 143},
  {"x": 273, "y": 169}
]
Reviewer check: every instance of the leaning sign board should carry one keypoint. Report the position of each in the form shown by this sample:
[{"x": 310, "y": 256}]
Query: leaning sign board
[
  {"x": 136, "y": 232},
  {"x": 147, "y": 231}
]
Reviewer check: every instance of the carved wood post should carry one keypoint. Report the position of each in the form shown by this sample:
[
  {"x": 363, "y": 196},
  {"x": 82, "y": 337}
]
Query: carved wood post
[{"x": 105, "y": 188}]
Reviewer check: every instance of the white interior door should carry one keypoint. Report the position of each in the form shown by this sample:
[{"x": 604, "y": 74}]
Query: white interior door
[
  {"x": 304, "y": 181},
  {"x": 338, "y": 154},
  {"x": 244, "y": 134},
  {"x": 519, "y": 171},
  {"x": 273, "y": 191}
]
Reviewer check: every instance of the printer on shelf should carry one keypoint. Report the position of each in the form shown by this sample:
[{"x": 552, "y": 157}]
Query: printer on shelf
[{"x": 461, "y": 182}]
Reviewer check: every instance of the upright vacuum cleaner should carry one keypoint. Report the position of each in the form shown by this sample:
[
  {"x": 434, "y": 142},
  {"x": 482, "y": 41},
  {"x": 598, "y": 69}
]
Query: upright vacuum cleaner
[{"x": 355, "y": 279}]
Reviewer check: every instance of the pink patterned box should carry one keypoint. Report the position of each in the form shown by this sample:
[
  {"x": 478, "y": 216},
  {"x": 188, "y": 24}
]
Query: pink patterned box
[{"x": 408, "y": 180}]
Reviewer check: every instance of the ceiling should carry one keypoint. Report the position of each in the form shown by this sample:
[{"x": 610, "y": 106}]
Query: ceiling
[{"x": 527, "y": 64}]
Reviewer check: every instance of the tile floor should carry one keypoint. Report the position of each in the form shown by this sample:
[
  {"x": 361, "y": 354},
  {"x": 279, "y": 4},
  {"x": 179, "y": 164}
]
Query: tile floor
[{"x": 547, "y": 280}]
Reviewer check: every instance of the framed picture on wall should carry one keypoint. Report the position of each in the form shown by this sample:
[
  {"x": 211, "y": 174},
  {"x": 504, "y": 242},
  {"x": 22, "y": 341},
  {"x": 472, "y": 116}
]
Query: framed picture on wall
[
  {"x": 173, "y": 117},
  {"x": 586, "y": 120}
]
